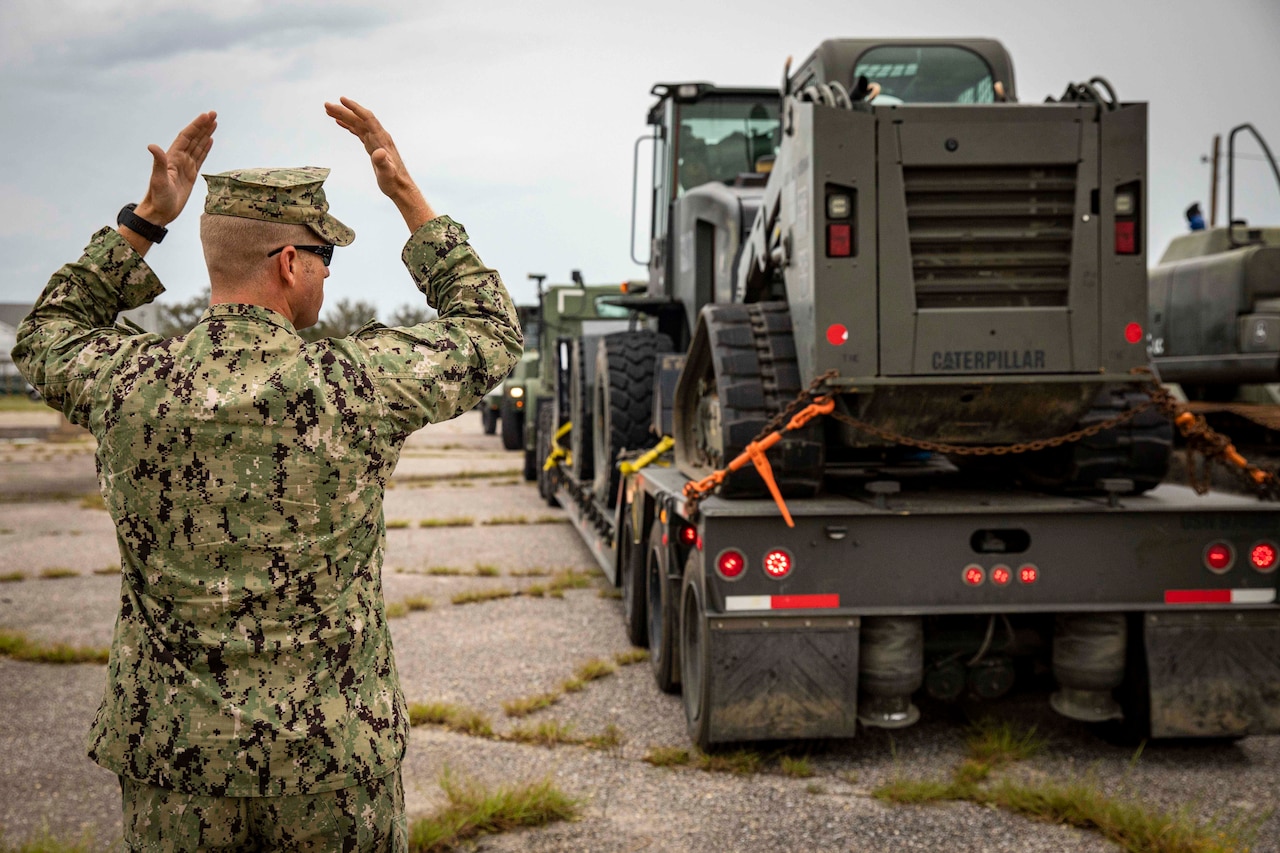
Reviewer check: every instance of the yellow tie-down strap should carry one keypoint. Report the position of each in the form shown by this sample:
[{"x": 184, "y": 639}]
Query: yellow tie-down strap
[
  {"x": 557, "y": 452},
  {"x": 648, "y": 458}
]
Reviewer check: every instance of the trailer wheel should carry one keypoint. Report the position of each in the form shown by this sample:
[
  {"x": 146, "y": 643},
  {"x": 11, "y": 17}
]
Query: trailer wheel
[
  {"x": 530, "y": 466},
  {"x": 695, "y": 659},
  {"x": 662, "y": 615},
  {"x": 545, "y": 429},
  {"x": 622, "y": 402},
  {"x": 632, "y": 577},
  {"x": 488, "y": 419}
]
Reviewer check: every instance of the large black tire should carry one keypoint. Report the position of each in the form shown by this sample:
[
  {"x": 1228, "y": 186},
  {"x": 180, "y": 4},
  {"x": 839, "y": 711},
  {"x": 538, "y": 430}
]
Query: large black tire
[
  {"x": 744, "y": 359},
  {"x": 1138, "y": 450},
  {"x": 488, "y": 419},
  {"x": 663, "y": 615},
  {"x": 512, "y": 428},
  {"x": 530, "y": 466},
  {"x": 695, "y": 657},
  {"x": 632, "y": 579},
  {"x": 583, "y": 456},
  {"x": 623, "y": 403},
  {"x": 546, "y": 429}
]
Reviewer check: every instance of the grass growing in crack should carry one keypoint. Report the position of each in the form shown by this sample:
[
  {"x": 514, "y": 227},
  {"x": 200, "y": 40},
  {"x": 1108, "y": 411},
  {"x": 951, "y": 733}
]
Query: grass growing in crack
[
  {"x": 815, "y": 788},
  {"x": 476, "y": 596},
  {"x": 573, "y": 685},
  {"x": 596, "y": 668},
  {"x": 112, "y": 569},
  {"x": 631, "y": 656},
  {"x": 568, "y": 579},
  {"x": 795, "y": 767},
  {"x": 419, "y": 602},
  {"x": 536, "y": 590},
  {"x": 444, "y": 571},
  {"x": 551, "y": 519},
  {"x": 16, "y": 645},
  {"x": 398, "y": 524},
  {"x": 530, "y": 573},
  {"x": 397, "y": 609},
  {"x": 526, "y": 705},
  {"x": 58, "y": 572},
  {"x": 10, "y": 577},
  {"x": 1077, "y": 803},
  {"x": 456, "y": 521},
  {"x": 46, "y": 842},
  {"x": 93, "y": 500},
  {"x": 668, "y": 756},
  {"x": 610, "y": 592},
  {"x": 486, "y": 570},
  {"x": 419, "y": 480},
  {"x": 610, "y": 738},
  {"x": 473, "y": 811},
  {"x": 467, "y": 721},
  {"x": 505, "y": 519},
  {"x": 742, "y": 762},
  {"x": 546, "y": 733}
]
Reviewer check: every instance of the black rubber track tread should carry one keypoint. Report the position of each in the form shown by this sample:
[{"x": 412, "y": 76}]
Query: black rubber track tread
[
  {"x": 754, "y": 357},
  {"x": 1138, "y": 450},
  {"x": 624, "y": 377}
]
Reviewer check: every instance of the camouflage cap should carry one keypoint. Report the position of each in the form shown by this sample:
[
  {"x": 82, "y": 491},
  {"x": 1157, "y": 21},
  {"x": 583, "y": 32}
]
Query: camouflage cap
[{"x": 292, "y": 196}]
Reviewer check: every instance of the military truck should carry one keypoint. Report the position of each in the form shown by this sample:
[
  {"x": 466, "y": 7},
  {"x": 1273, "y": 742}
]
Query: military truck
[
  {"x": 912, "y": 446},
  {"x": 1215, "y": 314},
  {"x": 499, "y": 407}
]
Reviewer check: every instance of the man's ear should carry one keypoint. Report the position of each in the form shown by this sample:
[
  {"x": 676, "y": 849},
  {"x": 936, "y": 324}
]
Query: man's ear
[{"x": 287, "y": 266}]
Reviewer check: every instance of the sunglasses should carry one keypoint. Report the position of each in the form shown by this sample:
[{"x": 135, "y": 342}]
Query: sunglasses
[{"x": 325, "y": 252}]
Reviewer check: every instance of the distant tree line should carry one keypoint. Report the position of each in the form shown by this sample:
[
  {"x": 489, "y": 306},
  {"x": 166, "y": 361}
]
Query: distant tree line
[{"x": 336, "y": 321}]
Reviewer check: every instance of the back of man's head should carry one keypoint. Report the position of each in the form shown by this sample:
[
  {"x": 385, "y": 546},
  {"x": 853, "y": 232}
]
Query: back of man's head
[{"x": 235, "y": 248}]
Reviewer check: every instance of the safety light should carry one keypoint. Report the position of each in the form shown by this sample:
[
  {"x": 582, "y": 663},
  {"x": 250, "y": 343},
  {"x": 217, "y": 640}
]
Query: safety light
[
  {"x": 1124, "y": 204},
  {"x": 1126, "y": 237},
  {"x": 837, "y": 333},
  {"x": 687, "y": 90},
  {"x": 1133, "y": 333},
  {"x": 688, "y": 536},
  {"x": 516, "y": 391},
  {"x": 838, "y": 206},
  {"x": 1000, "y": 575},
  {"x": 777, "y": 564},
  {"x": 839, "y": 240},
  {"x": 974, "y": 575},
  {"x": 1028, "y": 574},
  {"x": 1263, "y": 556},
  {"x": 1219, "y": 557},
  {"x": 730, "y": 564}
]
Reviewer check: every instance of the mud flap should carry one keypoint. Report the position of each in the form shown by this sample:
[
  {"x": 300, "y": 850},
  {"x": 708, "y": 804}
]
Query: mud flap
[
  {"x": 792, "y": 677},
  {"x": 1213, "y": 673}
]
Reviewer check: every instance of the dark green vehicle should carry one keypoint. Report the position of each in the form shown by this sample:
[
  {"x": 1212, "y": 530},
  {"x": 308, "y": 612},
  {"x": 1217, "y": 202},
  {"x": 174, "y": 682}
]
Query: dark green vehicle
[{"x": 962, "y": 275}]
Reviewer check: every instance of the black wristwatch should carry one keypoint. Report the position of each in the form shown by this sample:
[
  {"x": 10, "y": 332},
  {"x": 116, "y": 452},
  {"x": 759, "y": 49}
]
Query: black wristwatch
[{"x": 138, "y": 225}]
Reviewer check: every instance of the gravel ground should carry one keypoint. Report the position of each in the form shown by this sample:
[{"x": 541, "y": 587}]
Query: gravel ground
[{"x": 481, "y": 655}]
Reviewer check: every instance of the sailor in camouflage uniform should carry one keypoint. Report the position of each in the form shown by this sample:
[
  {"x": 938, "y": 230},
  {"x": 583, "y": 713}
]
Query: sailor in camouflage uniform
[{"x": 253, "y": 701}]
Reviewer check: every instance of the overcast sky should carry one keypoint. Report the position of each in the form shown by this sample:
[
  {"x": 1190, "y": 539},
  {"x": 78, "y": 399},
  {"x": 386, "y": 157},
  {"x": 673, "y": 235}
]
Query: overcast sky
[{"x": 518, "y": 118}]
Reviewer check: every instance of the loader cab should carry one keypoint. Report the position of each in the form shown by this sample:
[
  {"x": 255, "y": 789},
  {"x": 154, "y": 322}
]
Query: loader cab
[{"x": 915, "y": 71}]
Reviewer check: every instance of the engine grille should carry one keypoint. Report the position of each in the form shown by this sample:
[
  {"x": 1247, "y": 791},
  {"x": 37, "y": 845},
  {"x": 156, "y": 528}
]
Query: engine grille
[{"x": 990, "y": 236}]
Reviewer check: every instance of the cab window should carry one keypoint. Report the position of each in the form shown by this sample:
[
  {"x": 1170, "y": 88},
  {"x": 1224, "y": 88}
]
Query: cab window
[
  {"x": 926, "y": 74},
  {"x": 720, "y": 139}
]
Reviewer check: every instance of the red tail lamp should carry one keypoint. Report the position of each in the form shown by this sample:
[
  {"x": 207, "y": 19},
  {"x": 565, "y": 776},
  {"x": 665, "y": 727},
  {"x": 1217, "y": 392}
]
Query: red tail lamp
[
  {"x": 778, "y": 564},
  {"x": 1000, "y": 575},
  {"x": 1133, "y": 333},
  {"x": 1264, "y": 556},
  {"x": 974, "y": 575},
  {"x": 1028, "y": 574},
  {"x": 688, "y": 536},
  {"x": 730, "y": 564},
  {"x": 1219, "y": 557}
]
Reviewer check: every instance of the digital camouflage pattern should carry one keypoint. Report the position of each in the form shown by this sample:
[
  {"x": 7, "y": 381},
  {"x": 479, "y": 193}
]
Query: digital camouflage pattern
[
  {"x": 244, "y": 470},
  {"x": 291, "y": 196},
  {"x": 357, "y": 819}
]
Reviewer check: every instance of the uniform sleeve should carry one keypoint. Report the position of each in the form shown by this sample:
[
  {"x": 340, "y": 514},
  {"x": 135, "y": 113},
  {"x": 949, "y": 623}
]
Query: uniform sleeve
[
  {"x": 439, "y": 369},
  {"x": 69, "y": 345}
]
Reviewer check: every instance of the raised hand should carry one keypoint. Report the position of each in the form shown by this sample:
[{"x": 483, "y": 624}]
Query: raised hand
[
  {"x": 388, "y": 167},
  {"x": 174, "y": 172}
]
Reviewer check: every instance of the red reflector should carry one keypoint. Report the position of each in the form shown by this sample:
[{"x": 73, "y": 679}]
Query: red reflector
[
  {"x": 1000, "y": 575},
  {"x": 1263, "y": 556},
  {"x": 777, "y": 563},
  {"x": 837, "y": 334},
  {"x": 1197, "y": 596},
  {"x": 698, "y": 543},
  {"x": 688, "y": 535},
  {"x": 1133, "y": 333},
  {"x": 800, "y": 602},
  {"x": 974, "y": 575},
  {"x": 730, "y": 564},
  {"x": 839, "y": 240},
  {"x": 1126, "y": 237},
  {"x": 1028, "y": 574},
  {"x": 1218, "y": 557}
]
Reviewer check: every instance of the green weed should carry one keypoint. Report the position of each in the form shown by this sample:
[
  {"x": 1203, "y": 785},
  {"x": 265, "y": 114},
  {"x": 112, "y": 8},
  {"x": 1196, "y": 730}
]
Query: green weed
[{"x": 473, "y": 811}]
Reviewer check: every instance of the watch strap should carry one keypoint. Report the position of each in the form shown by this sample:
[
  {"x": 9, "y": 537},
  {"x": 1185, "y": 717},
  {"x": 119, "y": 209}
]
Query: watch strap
[{"x": 138, "y": 225}]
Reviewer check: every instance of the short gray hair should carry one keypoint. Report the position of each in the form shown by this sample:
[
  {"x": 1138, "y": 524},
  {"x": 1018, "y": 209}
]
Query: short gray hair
[{"x": 235, "y": 248}]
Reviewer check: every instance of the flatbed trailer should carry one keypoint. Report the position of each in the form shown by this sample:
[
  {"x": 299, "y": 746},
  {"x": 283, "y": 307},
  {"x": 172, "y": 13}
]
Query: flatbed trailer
[{"x": 1159, "y": 608}]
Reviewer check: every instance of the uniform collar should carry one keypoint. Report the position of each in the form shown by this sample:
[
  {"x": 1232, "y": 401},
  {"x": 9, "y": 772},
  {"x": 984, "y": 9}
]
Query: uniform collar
[{"x": 228, "y": 310}]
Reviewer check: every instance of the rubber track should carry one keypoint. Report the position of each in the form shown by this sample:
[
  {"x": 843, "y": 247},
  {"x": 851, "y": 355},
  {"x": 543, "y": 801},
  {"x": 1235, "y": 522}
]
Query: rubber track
[
  {"x": 754, "y": 357},
  {"x": 1138, "y": 450}
]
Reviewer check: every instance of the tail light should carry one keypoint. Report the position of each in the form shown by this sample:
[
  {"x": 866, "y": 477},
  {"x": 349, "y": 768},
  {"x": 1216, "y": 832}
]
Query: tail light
[
  {"x": 974, "y": 575},
  {"x": 1219, "y": 557},
  {"x": 778, "y": 564},
  {"x": 1128, "y": 216},
  {"x": 1028, "y": 574},
  {"x": 1000, "y": 575},
  {"x": 688, "y": 536},
  {"x": 730, "y": 564},
  {"x": 1263, "y": 556}
]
